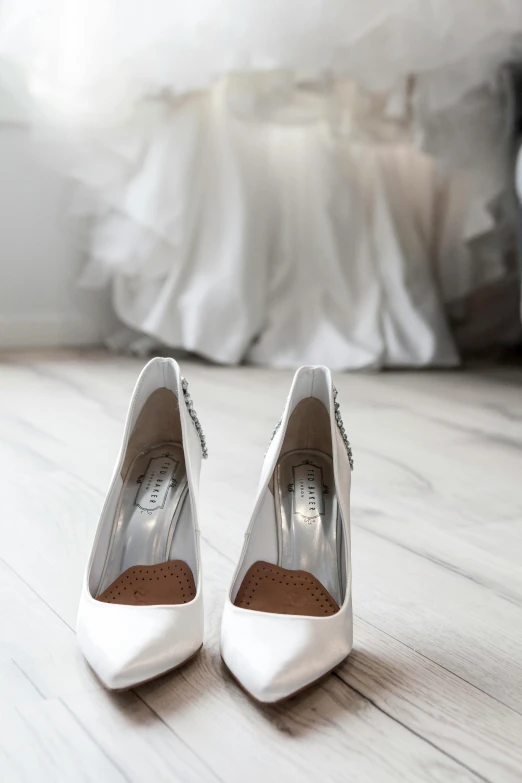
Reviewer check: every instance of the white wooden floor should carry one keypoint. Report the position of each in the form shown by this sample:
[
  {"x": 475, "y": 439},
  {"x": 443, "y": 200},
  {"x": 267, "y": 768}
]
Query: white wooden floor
[{"x": 433, "y": 689}]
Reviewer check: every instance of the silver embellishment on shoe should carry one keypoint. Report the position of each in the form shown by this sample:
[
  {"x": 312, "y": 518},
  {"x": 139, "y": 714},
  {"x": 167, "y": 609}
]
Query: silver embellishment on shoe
[
  {"x": 274, "y": 434},
  {"x": 194, "y": 417},
  {"x": 342, "y": 431}
]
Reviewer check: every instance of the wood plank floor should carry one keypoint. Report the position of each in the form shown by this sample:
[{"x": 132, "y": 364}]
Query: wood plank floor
[{"x": 433, "y": 689}]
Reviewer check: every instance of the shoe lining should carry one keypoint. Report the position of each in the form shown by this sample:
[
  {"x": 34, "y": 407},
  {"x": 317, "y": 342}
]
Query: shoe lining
[{"x": 152, "y": 498}]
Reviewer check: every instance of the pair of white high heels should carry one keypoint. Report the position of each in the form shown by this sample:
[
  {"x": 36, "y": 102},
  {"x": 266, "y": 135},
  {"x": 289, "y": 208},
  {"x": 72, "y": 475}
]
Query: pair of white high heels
[{"x": 287, "y": 620}]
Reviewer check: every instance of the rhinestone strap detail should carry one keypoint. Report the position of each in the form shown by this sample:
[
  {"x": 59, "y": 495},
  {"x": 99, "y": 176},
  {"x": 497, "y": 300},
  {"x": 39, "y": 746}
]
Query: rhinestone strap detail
[
  {"x": 340, "y": 424},
  {"x": 194, "y": 417},
  {"x": 274, "y": 434}
]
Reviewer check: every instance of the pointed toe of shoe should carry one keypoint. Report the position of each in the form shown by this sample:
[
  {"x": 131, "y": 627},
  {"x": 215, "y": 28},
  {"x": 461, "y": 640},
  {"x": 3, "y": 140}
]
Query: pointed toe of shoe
[
  {"x": 127, "y": 645},
  {"x": 274, "y": 656}
]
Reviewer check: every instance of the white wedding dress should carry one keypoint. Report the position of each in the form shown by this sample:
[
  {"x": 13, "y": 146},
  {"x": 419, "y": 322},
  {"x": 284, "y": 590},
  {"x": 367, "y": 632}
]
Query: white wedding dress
[{"x": 283, "y": 182}]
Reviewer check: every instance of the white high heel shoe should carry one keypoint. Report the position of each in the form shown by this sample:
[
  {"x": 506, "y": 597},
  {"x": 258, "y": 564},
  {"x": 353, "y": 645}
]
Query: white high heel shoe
[
  {"x": 141, "y": 608},
  {"x": 288, "y": 618}
]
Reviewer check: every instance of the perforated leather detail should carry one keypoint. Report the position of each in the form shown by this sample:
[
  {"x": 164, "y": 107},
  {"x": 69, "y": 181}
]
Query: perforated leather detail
[
  {"x": 269, "y": 588},
  {"x": 171, "y": 582}
]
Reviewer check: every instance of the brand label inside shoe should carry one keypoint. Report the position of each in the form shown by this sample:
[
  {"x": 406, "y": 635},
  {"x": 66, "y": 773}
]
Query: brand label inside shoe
[
  {"x": 155, "y": 483},
  {"x": 308, "y": 491}
]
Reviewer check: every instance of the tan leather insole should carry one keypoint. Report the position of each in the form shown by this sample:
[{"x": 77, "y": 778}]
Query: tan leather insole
[
  {"x": 269, "y": 588},
  {"x": 171, "y": 582}
]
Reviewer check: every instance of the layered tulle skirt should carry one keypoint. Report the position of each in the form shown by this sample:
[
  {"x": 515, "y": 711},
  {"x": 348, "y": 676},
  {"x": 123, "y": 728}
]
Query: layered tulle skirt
[{"x": 286, "y": 183}]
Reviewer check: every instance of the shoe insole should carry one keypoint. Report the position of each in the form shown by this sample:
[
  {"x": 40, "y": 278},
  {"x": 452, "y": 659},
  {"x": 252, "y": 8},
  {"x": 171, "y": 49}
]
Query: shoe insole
[
  {"x": 152, "y": 497},
  {"x": 308, "y": 517},
  {"x": 167, "y": 583},
  {"x": 269, "y": 588},
  {"x": 307, "y": 579}
]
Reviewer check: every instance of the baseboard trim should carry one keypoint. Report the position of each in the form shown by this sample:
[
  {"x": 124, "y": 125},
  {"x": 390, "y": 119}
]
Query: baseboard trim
[{"x": 49, "y": 330}]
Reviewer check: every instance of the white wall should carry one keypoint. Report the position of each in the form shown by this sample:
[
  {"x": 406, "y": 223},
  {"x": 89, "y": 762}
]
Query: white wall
[{"x": 40, "y": 304}]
